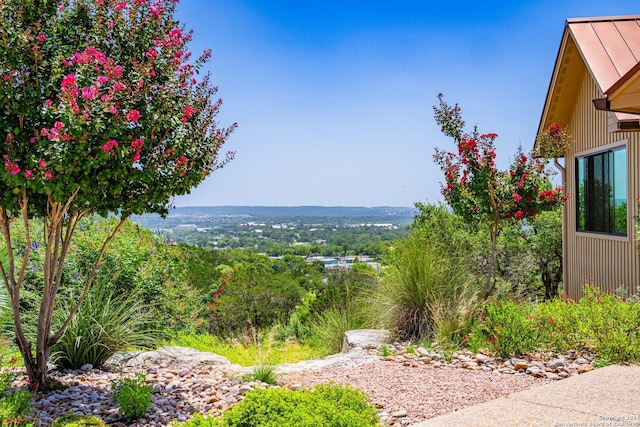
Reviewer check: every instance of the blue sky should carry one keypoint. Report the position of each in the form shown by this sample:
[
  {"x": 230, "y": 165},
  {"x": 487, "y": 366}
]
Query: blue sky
[{"x": 333, "y": 99}]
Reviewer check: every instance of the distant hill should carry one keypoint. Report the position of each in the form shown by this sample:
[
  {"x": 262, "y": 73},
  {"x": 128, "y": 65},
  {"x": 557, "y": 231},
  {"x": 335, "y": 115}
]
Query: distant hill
[
  {"x": 295, "y": 211},
  {"x": 207, "y": 216}
]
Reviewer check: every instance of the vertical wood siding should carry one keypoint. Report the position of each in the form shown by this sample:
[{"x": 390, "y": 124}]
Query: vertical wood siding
[{"x": 611, "y": 262}]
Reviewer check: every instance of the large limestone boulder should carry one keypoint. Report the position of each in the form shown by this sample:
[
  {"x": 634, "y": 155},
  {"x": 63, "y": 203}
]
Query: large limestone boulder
[
  {"x": 170, "y": 356},
  {"x": 364, "y": 339}
]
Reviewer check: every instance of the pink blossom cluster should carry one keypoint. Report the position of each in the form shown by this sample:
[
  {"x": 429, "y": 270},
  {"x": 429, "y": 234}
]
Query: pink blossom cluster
[
  {"x": 110, "y": 146},
  {"x": 13, "y": 168},
  {"x": 136, "y": 145},
  {"x": 56, "y": 133}
]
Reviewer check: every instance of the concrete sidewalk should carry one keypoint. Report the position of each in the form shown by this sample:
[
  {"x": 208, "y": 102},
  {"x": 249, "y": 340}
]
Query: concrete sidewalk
[{"x": 604, "y": 397}]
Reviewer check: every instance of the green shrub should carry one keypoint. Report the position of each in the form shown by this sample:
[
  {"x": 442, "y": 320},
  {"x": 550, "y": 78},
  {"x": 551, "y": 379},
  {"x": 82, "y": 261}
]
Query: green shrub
[
  {"x": 252, "y": 297},
  {"x": 72, "y": 420},
  {"x": 426, "y": 293},
  {"x": 324, "y": 405},
  {"x": 611, "y": 326},
  {"x": 507, "y": 327},
  {"x": 104, "y": 325},
  {"x": 16, "y": 407},
  {"x": 133, "y": 396},
  {"x": 199, "y": 420},
  {"x": 600, "y": 323}
]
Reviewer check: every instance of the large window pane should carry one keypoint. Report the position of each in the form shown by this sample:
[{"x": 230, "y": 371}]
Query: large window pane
[
  {"x": 620, "y": 190},
  {"x": 601, "y": 193},
  {"x": 580, "y": 194}
]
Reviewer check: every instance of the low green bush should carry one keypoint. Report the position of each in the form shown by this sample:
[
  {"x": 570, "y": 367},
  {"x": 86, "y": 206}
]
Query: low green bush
[
  {"x": 16, "y": 408},
  {"x": 199, "y": 420},
  {"x": 600, "y": 323},
  {"x": 507, "y": 327},
  {"x": 324, "y": 405},
  {"x": 72, "y": 420},
  {"x": 133, "y": 396},
  {"x": 16, "y": 405}
]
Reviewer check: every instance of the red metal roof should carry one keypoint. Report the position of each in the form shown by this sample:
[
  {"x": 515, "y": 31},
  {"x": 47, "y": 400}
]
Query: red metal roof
[{"x": 610, "y": 46}]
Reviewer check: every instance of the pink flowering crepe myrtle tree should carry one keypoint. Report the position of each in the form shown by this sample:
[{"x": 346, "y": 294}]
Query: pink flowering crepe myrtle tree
[
  {"x": 482, "y": 194},
  {"x": 102, "y": 110}
]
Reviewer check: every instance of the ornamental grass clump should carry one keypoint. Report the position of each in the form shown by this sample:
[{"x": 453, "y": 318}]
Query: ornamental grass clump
[{"x": 426, "y": 294}]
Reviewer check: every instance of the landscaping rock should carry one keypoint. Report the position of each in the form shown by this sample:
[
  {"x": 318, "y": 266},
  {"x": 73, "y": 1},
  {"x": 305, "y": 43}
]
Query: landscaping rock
[
  {"x": 185, "y": 381},
  {"x": 585, "y": 368},
  {"x": 171, "y": 356},
  {"x": 364, "y": 339}
]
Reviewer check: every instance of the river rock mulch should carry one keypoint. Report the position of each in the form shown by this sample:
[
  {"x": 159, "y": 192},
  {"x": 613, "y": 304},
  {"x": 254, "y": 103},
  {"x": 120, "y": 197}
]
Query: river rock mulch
[{"x": 181, "y": 389}]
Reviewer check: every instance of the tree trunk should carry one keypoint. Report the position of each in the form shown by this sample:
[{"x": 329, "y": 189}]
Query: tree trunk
[
  {"x": 58, "y": 227},
  {"x": 493, "y": 234}
]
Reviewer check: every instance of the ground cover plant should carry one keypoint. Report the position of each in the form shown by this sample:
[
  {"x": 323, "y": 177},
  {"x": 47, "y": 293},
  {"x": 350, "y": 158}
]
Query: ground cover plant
[
  {"x": 323, "y": 405},
  {"x": 250, "y": 353},
  {"x": 16, "y": 407},
  {"x": 601, "y": 324},
  {"x": 72, "y": 420}
]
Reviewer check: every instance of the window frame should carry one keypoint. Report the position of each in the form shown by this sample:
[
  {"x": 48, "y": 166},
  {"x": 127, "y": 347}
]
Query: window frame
[{"x": 606, "y": 162}]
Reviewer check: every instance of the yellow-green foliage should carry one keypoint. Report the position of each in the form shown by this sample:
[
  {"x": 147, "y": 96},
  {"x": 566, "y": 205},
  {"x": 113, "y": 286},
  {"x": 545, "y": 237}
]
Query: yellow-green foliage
[
  {"x": 72, "y": 420},
  {"x": 324, "y": 405},
  {"x": 266, "y": 352},
  {"x": 201, "y": 421}
]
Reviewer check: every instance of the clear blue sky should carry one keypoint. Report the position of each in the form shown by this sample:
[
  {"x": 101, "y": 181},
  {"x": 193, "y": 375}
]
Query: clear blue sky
[{"x": 333, "y": 99}]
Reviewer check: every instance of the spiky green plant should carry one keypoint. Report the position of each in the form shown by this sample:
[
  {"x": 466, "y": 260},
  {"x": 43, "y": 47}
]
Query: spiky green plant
[{"x": 105, "y": 324}]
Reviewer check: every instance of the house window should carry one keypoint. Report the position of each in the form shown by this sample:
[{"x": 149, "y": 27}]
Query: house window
[{"x": 601, "y": 198}]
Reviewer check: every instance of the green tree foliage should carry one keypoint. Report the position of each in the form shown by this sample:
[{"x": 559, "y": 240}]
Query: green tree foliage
[
  {"x": 101, "y": 110},
  {"x": 528, "y": 253},
  {"x": 252, "y": 295},
  {"x": 480, "y": 193}
]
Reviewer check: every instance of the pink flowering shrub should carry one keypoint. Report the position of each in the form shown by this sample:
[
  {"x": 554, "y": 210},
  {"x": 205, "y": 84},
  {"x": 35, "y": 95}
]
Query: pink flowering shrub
[
  {"x": 103, "y": 109},
  {"x": 481, "y": 193}
]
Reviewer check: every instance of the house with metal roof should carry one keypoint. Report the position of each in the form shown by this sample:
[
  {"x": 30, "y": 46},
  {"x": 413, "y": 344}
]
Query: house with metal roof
[{"x": 595, "y": 92}]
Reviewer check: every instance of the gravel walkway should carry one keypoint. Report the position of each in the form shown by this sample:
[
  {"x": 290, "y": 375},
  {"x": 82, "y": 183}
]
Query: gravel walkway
[
  {"x": 409, "y": 394},
  {"x": 406, "y": 387}
]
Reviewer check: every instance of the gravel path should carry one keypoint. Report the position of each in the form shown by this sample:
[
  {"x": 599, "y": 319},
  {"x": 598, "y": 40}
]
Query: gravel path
[
  {"x": 406, "y": 387},
  {"x": 410, "y": 394}
]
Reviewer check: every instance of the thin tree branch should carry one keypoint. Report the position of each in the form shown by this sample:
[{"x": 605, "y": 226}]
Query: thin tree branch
[
  {"x": 55, "y": 337},
  {"x": 27, "y": 236}
]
